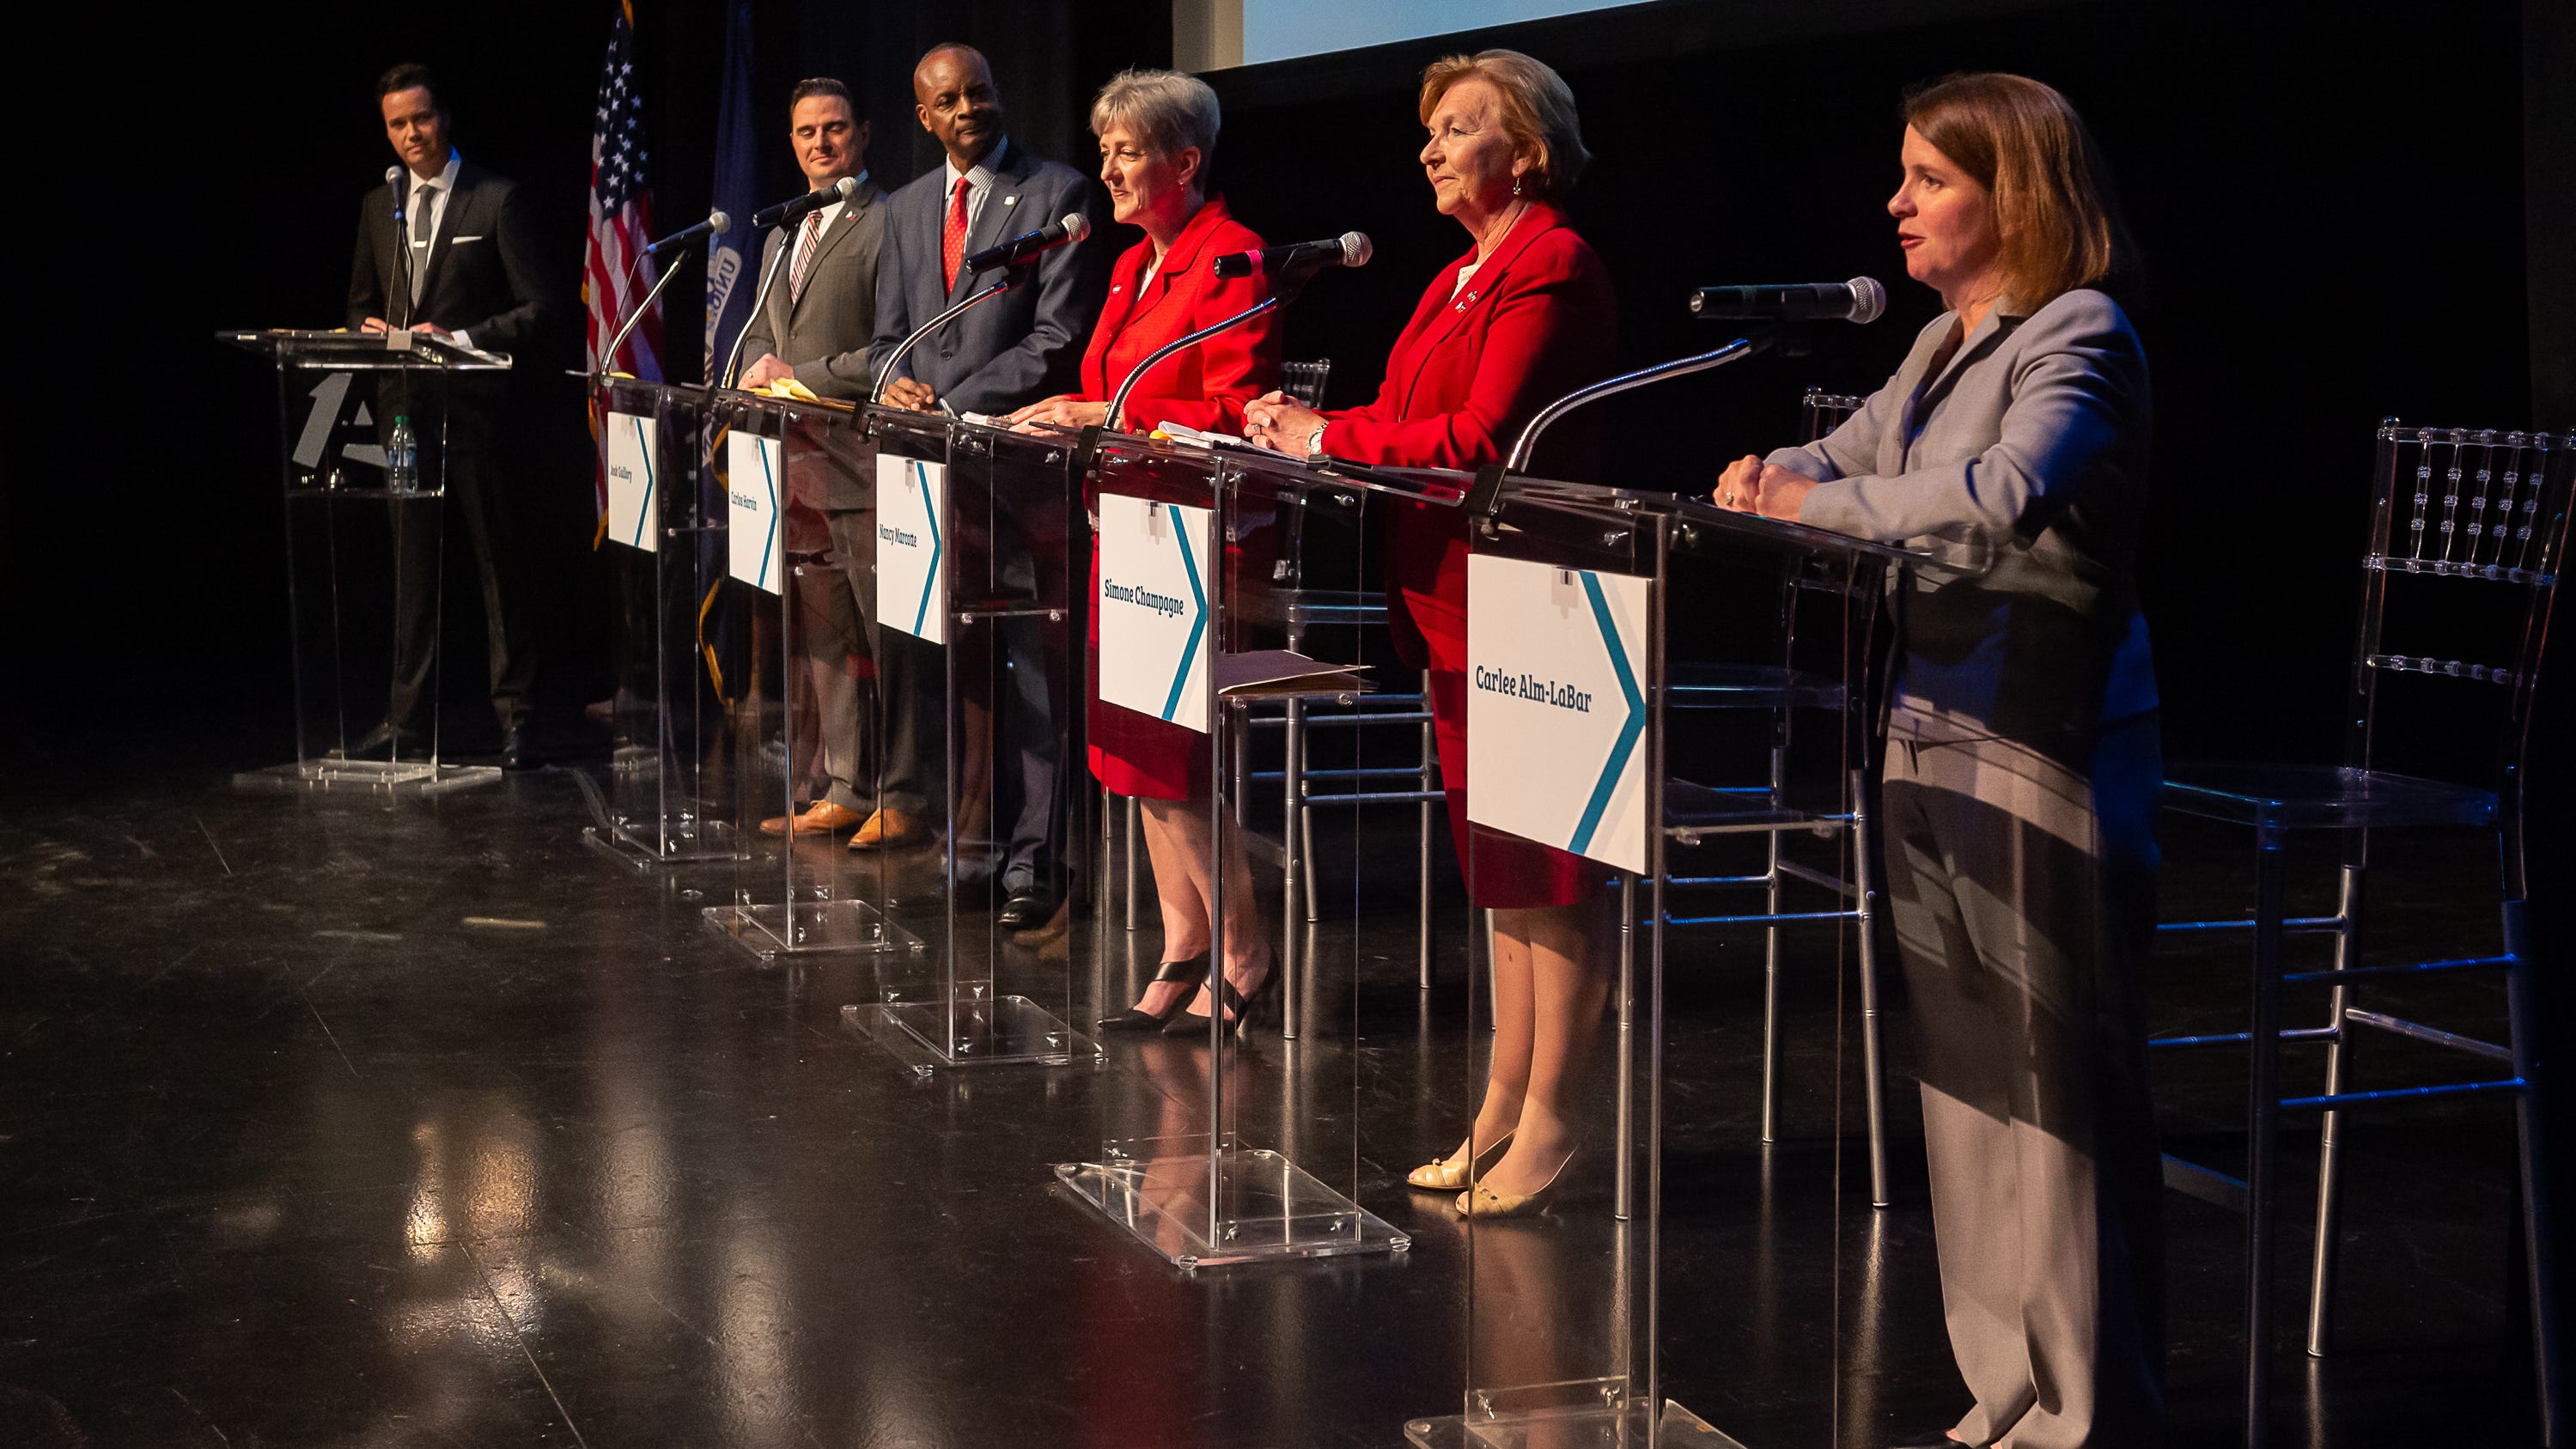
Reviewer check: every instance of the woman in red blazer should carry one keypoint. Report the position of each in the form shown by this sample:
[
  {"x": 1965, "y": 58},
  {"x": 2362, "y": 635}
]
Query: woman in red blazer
[
  {"x": 1157, "y": 130},
  {"x": 1520, "y": 321}
]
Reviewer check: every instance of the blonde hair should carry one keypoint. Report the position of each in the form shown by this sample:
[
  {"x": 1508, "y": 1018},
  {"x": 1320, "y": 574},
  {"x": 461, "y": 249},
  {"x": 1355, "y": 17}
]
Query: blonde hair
[
  {"x": 1169, "y": 112},
  {"x": 1538, "y": 113},
  {"x": 2054, "y": 207}
]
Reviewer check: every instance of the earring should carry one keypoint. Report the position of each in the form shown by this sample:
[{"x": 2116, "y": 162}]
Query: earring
[{"x": 1516, "y": 186}]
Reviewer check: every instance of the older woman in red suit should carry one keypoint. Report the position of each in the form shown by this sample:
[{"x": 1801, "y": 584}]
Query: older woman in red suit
[
  {"x": 1521, "y": 320},
  {"x": 1157, "y": 132}
]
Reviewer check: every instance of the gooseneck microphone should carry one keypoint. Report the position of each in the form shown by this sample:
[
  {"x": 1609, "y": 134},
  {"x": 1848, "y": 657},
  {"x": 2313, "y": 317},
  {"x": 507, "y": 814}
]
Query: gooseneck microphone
[
  {"x": 716, "y": 224},
  {"x": 404, "y": 261},
  {"x": 1859, "y": 300},
  {"x": 1298, "y": 260},
  {"x": 787, "y": 211},
  {"x": 1018, "y": 249}
]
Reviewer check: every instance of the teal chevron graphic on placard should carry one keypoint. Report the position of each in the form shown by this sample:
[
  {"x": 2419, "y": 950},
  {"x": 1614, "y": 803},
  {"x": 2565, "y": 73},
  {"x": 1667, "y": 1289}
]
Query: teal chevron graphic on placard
[
  {"x": 1628, "y": 733},
  {"x": 1198, "y": 616},
  {"x": 643, "y": 515},
  {"x": 768, "y": 542},
  {"x": 929, "y": 510}
]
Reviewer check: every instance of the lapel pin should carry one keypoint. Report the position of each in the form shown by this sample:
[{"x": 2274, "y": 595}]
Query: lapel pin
[{"x": 1010, "y": 201}]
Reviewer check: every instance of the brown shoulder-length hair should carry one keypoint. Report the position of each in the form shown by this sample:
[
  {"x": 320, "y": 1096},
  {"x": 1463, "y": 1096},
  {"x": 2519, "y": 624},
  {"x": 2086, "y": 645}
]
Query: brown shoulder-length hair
[
  {"x": 2055, "y": 208},
  {"x": 1538, "y": 113}
]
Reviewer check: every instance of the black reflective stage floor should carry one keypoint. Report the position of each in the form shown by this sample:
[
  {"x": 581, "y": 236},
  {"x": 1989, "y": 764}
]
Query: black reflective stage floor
[{"x": 326, "y": 1122}]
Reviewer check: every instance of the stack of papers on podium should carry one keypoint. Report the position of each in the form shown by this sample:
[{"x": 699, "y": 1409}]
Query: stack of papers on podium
[{"x": 1274, "y": 672}]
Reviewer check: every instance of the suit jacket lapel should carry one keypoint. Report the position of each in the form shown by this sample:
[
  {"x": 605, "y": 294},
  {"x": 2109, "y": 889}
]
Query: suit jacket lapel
[
  {"x": 1534, "y": 223},
  {"x": 441, "y": 240},
  {"x": 846, "y": 223},
  {"x": 1927, "y": 395}
]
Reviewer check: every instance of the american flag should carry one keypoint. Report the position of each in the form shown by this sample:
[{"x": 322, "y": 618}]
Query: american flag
[{"x": 613, "y": 277}]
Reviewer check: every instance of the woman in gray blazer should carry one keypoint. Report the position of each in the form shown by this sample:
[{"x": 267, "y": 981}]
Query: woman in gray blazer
[{"x": 2022, "y": 762}]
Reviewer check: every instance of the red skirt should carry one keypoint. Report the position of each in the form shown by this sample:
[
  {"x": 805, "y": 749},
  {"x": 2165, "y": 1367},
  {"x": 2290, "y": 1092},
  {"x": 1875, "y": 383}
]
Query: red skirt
[{"x": 1427, "y": 568}]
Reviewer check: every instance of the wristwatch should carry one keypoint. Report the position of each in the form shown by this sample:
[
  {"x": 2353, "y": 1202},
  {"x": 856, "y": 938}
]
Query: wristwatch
[{"x": 1315, "y": 442}]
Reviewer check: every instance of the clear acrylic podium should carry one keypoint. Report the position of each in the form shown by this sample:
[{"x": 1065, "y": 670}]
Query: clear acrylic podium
[
  {"x": 366, "y": 716},
  {"x": 1704, "y": 687},
  {"x": 665, "y": 540},
  {"x": 1231, "y": 1152},
  {"x": 976, "y": 531},
  {"x": 791, "y": 897}
]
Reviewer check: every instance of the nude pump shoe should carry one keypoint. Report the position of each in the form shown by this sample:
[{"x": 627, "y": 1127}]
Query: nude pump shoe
[{"x": 1450, "y": 1173}]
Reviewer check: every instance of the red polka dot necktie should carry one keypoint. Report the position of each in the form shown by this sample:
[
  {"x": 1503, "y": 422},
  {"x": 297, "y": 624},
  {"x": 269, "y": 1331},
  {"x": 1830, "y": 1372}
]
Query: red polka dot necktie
[{"x": 952, "y": 238}]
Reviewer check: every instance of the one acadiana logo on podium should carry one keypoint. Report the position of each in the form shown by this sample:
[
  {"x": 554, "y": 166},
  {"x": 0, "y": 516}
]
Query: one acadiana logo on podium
[
  {"x": 1153, "y": 608},
  {"x": 912, "y": 506},
  {"x": 1556, "y": 707}
]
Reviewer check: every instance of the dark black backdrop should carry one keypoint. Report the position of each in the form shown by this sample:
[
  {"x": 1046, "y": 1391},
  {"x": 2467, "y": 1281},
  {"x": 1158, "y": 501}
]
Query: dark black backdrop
[{"x": 2332, "y": 199}]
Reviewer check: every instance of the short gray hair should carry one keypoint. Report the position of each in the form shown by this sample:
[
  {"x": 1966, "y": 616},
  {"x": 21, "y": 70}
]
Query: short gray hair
[{"x": 1169, "y": 112}]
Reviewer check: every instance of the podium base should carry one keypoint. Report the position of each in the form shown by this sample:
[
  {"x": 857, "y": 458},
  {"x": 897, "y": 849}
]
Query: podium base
[
  {"x": 809, "y": 928},
  {"x": 1269, "y": 1208},
  {"x": 1586, "y": 1426},
  {"x": 366, "y": 777},
  {"x": 638, "y": 846},
  {"x": 988, "y": 1032}
]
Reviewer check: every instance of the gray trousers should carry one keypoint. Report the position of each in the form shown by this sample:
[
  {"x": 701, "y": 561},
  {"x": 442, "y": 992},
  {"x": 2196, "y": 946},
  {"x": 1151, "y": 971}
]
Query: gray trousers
[
  {"x": 2022, "y": 881},
  {"x": 833, "y": 641}
]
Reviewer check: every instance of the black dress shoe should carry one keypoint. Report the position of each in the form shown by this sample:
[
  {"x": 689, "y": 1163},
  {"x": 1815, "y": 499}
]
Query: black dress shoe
[
  {"x": 1027, "y": 908},
  {"x": 518, "y": 748}
]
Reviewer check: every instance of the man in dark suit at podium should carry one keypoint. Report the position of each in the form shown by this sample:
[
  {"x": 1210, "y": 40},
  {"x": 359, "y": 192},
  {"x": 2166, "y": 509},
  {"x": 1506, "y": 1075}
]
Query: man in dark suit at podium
[
  {"x": 815, "y": 326},
  {"x": 465, "y": 267},
  {"x": 1023, "y": 346}
]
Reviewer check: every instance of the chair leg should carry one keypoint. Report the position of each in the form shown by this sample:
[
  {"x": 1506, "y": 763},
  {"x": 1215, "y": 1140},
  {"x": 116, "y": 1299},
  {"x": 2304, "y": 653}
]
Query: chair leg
[
  {"x": 1771, "y": 971},
  {"x": 2323, "y": 1262},
  {"x": 1430, "y": 760},
  {"x": 2263, "y": 1110},
  {"x": 1873, "y": 1062},
  {"x": 1133, "y": 810},
  {"x": 2537, "y": 1267},
  {"x": 1292, "y": 769},
  {"x": 1626, "y": 1168}
]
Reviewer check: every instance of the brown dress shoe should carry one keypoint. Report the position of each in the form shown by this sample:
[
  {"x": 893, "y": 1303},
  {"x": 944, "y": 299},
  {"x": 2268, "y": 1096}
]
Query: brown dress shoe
[
  {"x": 886, "y": 830},
  {"x": 820, "y": 818}
]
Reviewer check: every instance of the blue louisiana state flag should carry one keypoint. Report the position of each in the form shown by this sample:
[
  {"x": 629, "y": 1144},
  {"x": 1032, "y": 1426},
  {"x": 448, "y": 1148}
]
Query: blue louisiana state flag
[{"x": 730, "y": 259}]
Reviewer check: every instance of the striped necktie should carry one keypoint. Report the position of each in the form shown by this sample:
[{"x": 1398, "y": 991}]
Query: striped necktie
[{"x": 805, "y": 242}]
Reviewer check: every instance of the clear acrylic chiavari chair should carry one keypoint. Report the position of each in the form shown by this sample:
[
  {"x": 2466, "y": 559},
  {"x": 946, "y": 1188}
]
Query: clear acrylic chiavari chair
[{"x": 2468, "y": 533}]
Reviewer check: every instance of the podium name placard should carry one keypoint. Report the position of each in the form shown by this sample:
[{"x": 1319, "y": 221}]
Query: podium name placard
[
  {"x": 1152, "y": 607},
  {"x": 632, "y": 469},
  {"x": 1556, "y": 712},
  {"x": 754, "y": 468},
  {"x": 912, "y": 510}
]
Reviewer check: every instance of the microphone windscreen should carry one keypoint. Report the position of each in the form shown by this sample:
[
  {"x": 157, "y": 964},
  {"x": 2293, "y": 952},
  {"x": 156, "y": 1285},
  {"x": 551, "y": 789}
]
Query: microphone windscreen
[
  {"x": 1357, "y": 249},
  {"x": 719, "y": 223},
  {"x": 1076, "y": 226},
  {"x": 848, "y": 186},
  {"x": 1869, "y": 299},
  {"x": 391, "y": 172}
]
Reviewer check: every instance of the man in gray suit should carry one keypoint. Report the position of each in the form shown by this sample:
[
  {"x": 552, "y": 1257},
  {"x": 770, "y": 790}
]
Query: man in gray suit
[
  {"x": 1014, "y": 350},
  {"x": 814, "y": 326}
]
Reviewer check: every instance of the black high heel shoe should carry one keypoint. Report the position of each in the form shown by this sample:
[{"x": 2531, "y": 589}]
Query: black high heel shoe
[
  {"x": 1191, "y": 971},
  {"x": 1263, "y": 1001}
]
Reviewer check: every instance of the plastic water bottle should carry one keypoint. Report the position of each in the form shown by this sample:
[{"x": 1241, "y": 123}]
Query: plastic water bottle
[{"x": 402, "y": 459}]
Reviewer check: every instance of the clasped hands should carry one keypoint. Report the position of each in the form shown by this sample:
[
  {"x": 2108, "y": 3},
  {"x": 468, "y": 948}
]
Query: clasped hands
[
  {"x": 1750, "y": 485},
  {"x": 1280, "y": 423}
]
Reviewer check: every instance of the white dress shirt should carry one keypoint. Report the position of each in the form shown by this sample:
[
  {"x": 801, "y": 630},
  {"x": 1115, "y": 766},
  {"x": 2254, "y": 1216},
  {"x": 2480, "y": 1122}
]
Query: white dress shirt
[{"x": 979, "y": 184}]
